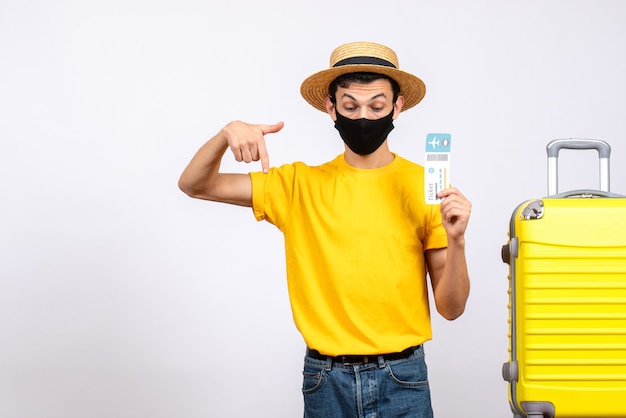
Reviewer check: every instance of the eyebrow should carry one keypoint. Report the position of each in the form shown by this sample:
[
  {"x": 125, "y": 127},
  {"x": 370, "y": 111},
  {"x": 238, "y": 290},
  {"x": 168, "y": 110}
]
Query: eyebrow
[{"x": 371, "y": 99}]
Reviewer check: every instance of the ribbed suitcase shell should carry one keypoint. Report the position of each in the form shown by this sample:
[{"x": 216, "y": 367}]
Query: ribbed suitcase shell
[{"x": 567, "y": 308}]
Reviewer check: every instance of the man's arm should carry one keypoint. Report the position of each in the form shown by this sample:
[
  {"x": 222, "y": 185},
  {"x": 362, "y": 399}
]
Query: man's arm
[
  {"x": 202, "y": 178},
  {"x": 447, "y": 266}
]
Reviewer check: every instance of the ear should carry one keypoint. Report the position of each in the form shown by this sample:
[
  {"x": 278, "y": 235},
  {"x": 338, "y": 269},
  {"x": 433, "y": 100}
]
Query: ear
[
  {"x": 330, "y": 108},
  {"x": 398, "y": 107}
]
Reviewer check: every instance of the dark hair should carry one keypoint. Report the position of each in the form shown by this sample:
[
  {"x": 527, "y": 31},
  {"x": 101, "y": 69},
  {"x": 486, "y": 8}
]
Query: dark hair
[{"x": 346, "y": 80}]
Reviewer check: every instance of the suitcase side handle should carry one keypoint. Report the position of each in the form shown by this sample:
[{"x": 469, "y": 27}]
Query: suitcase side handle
[{"x": 604, "y": 155}]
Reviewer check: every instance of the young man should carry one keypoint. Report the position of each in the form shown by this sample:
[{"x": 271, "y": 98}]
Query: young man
[{"x": 359, "y": 239}]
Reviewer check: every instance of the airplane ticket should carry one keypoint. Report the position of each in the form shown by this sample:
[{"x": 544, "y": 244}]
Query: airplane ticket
[{"x": 436, "y": 166}]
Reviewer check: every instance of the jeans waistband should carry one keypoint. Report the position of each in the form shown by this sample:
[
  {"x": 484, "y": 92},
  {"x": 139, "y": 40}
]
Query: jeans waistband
[{"x": 353, "y": 360}]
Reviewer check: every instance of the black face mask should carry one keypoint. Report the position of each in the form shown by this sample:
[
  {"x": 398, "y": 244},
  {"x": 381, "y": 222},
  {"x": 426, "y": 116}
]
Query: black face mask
[{"x": 364, "y": 136}]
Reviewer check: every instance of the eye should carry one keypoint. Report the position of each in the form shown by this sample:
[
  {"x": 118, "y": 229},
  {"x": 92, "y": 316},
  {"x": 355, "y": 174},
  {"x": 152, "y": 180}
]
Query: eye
[{"x": 378, "y": 106}]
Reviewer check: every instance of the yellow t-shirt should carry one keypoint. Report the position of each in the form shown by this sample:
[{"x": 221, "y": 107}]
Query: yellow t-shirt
[{"x": 354, "y": 246}]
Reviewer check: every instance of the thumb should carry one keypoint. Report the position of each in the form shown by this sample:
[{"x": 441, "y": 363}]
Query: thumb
[{"x": 272, "y": 129}]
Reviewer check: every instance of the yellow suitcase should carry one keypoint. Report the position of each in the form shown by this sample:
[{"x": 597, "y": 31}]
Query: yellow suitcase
[{"x": 567, "y": 298}]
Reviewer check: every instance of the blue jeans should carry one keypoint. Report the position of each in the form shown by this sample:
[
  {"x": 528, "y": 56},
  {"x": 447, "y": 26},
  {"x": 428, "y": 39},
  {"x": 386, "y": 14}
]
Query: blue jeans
[{"x": 380, "y": 389}]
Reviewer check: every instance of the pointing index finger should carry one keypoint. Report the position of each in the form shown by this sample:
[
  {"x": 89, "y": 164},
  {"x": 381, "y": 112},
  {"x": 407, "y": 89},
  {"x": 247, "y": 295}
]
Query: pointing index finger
[{"x": 262, "y": 149}]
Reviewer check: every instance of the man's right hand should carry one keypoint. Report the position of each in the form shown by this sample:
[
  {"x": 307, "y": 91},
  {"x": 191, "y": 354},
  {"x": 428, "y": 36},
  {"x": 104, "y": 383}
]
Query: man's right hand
[{"x": 247, "y": 141}]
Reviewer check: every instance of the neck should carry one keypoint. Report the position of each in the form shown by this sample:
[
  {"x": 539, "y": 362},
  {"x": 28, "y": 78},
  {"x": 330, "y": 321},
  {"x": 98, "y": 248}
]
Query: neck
[{"x": 379, "y": 158}]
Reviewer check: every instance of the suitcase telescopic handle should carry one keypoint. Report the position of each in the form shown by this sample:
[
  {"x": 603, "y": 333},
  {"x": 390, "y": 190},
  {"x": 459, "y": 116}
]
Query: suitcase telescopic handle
[{"x": 604, "y": 155}]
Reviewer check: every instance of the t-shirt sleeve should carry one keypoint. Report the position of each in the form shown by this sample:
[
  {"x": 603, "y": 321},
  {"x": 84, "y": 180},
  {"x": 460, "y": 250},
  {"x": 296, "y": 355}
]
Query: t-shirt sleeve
[
  {"x": 436, "y": 236},
  {"x": 272, "y": 193},
  {"x": 258, "y": 190}
]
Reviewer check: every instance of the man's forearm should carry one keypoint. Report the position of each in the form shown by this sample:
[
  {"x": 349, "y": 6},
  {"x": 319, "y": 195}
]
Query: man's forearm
[
  {"x": 453, "y": 285},
  {"x": 203, "y": 169}
]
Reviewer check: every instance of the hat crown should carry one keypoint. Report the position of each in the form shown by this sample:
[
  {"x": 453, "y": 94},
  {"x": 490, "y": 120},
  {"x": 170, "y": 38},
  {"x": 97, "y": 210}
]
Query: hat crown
[{"x": 355, "y": 50}]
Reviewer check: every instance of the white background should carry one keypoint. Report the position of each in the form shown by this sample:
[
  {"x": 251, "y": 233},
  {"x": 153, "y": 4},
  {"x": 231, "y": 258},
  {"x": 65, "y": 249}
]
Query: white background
[{"x": 122, "y": 297}]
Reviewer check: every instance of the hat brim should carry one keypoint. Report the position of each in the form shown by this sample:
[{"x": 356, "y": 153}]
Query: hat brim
[{"x": 314, "y": 89}]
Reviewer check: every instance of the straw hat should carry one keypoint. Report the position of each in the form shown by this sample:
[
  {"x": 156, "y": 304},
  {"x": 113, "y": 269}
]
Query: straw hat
[{"x": 362, "y": 57}]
